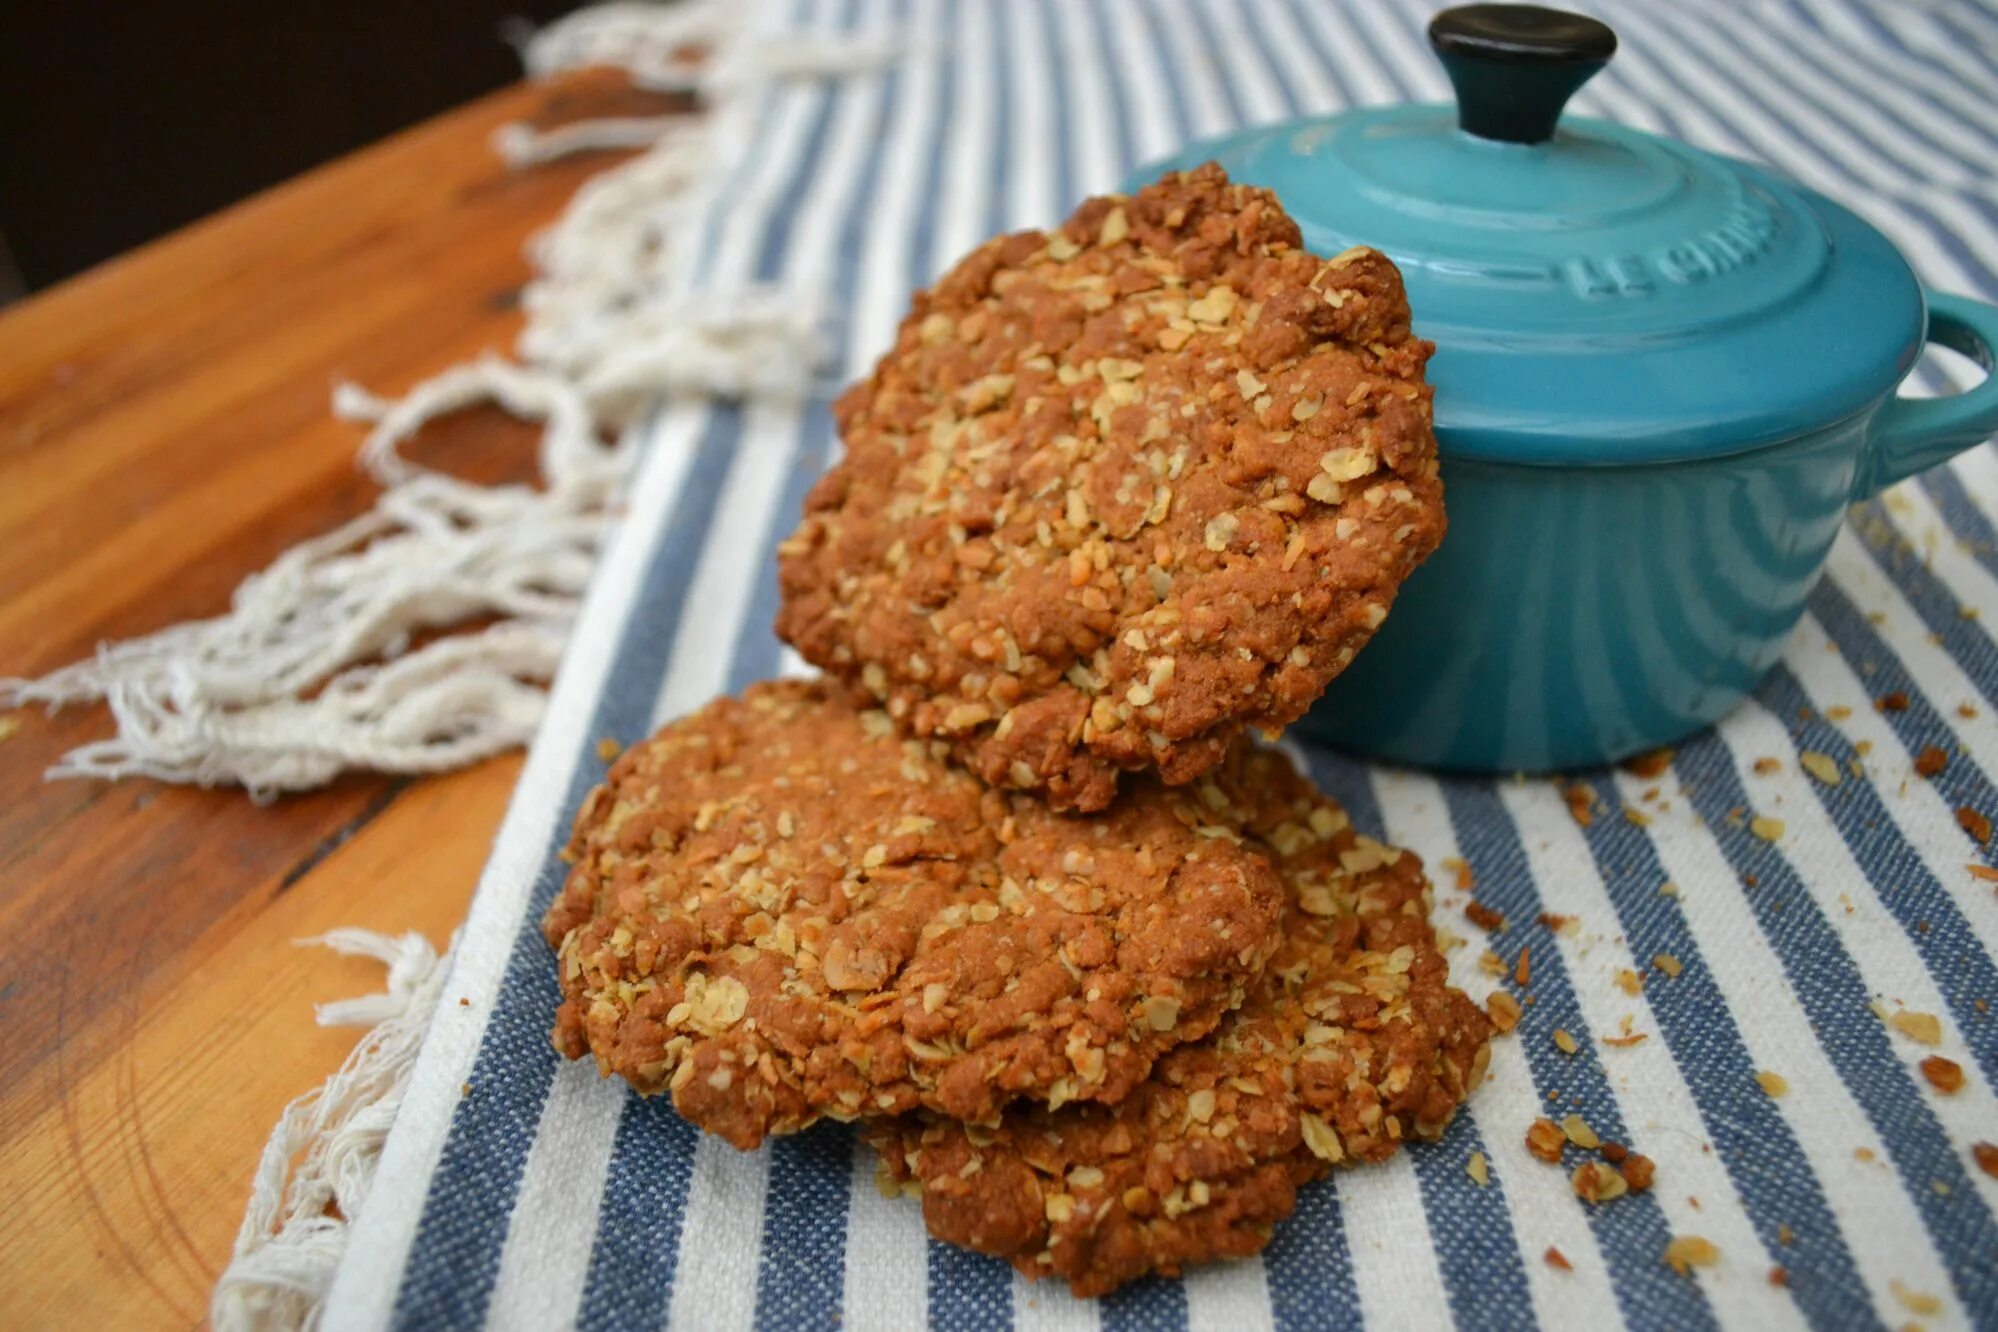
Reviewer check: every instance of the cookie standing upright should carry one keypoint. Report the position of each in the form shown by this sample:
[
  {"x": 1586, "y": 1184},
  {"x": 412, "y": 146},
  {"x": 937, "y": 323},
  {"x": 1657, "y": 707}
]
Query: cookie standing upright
[
  {"x": 1122, "y": 490},
  {"x": 1350, "y": 1043},
  {"x": 780, "y": 908}
]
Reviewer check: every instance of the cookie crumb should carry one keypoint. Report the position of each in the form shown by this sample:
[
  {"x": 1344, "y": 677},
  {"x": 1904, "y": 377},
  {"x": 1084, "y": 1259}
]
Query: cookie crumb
[
  {"x": 1597, "y": 1184},
  {"x": 608, "y": 749},
  {"x": 1686, "y": 1252},
  {"x": 1894, "y": 702},
  {"x": 1545, "y": 1140},
  {"x": 1821, "y": 766},
  {"x": 1556, "y": 1259},
  {"x": 1915, "y": 1301},
  {"x": 1768, "y": 767},
  {"x": 1779, "y": 1276},
  {"x": 1768, "y": 829},
  {"x": 1945, "y": 1075},
  {"x": 1668, "y": 964},
  {"x": 1638, "y": 1171},
  {"x": 1482, "y": 916},
  {"x": 1503, "y": 1010},
  {"x": 1477, "y": 1170},
  {"x": 1784, "y": 1235},
  {"x": 1577, "y": 1130},
  {"x": 1931, "y": 761},
  {"x": 1985, "y": 1154},
  {"x": 1976, "y": 824},
  {"x": 1775, "y": 1084},
  {"x": 1984, "y": 873},
  {"x": 1581, "y": 800},
  {"x": 1654, "y": 763},
  {"x": 1565, "y": 1041},
  {"x": 1923, "y": 1027},
  {"x": 1522, "y": 972},
  {"x": 1629, "y": 982}
]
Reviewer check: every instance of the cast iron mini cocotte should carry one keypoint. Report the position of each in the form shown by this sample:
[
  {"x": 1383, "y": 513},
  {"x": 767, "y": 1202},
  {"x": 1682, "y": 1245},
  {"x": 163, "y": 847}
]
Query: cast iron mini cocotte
[{"x": 1661, "y": 376}]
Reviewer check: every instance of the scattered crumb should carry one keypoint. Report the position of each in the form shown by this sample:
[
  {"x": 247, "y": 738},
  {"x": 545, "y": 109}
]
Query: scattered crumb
[
  {"x": 1484, "y": 917},
  {"x": 9, "y": 728},
  {"x": 1923, "y": 1027},
  {"x": 1984, "y": 872},
  {"x": 1651, "y": 764},
  {"x": 1775, "y": 1084},
  {"x": 1914, "y": 1301},
  {"x": 1766, "y": 828},
  {"x": 1976, "y": 824},
  {"x": 1555, "y": 1258},
  {"x": 1862, "y": 1154},
  {"x": 1544, "y": 1139},
  {"x": 1460, "y": 870},
  {"x": 1966, "y": 710},
  {"x": 1838, "y": 712},
  {"x": 464, "y": 1089},
  {"x": 1945, "y": 1075},
  {"x": 1633, "y": 815},
  {"x": 1821, "y": 766},
  {"x": 1784, "y": 1235},
  {"x": 464, "y": 1003},
  {"x": 1596, "y": 1183},
  {"x": 1522, "y": 973},
  {"x": 1687, "y": 1252},
  {"x": 1565, "y": 1041},
  {"x": 1615, "y": 1153},
  {"x": 608, "y": 749},
  {"x": 1931, "y": 761},
  {"x": 1491, "y": 963},
  {"x": 1986, "y": 1156},
  {"x": 1503, "y": 1010},
  {"x": 1768, "y": 766},
  {"x": 1668, "y": 964},
  {"x": 1894, "y": 702},
  {"x": 1668, "y": 889},
  {"x": 1576, "y": 1129},
  {"x": 1629, "y": 982},
  {"x": 1475, "y": 1168},
  {"x": 1628, "y": 1040},
  {"x": 1581, "y": 800},
  {"x": 1778, "y": 1277}
]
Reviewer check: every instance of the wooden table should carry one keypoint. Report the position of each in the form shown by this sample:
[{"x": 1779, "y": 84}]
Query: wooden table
[{"x": 163, "y": 432}]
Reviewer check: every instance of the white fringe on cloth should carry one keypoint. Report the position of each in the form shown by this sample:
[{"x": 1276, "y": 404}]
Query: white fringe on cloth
[
  {"x": 316, "y": 1169},
  {"x": 315, "y": 667}
]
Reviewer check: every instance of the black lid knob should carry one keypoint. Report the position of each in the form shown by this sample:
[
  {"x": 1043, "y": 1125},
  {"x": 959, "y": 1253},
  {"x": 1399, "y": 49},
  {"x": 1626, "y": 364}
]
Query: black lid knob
[{"x": 1515, "y": 66}]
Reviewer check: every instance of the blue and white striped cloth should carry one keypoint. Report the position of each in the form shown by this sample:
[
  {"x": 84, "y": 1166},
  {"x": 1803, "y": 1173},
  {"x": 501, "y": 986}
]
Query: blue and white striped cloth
[{"x": 522, "y": 1193}]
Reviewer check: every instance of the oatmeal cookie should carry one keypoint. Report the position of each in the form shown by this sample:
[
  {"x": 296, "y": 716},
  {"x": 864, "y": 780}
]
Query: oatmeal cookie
[
  {"x": 1121, "y": 490},
  {"x": 1351, "y": 1043},
  {"x": 781, "y": 908}
]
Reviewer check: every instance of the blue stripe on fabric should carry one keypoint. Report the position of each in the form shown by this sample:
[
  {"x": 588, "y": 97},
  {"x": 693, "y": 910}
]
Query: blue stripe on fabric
[
  {"x": 1632, "y": 1233},
  {"x": 998, "y": 204},
  {"x": 1061, "y": 114},
  {"x": 1764, "y": 1161},
  {"x": 801, "y": 1272},
  {"x": 1967, "y": 642},
  {"x": 757, "y": 650},
  {"x": 1309, "y": 1266},
  {"x": 1169, "y": 75},
  {"x": 1834, "y": 995},
  {"x": 1233, "y": 108},
  {"x": 1155, "y": 1304},
  {"x": 1477, "y": 1252},
  {"x": 924, "y": 261},
  {"x": 969, "y": 1292},
  {"x": 454, "y": 1257},
  {"x": 1119, "y": 81},
  {"x": 1892, "y": 67},
  {"x": 630, "y": 1277}
]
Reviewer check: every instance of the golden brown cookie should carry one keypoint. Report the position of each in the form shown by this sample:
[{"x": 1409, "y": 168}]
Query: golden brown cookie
[
  {"x": 782, "y": 908},
  {"x": 1352, "y": 1042},
  {"x": 1121, "y": 490}
]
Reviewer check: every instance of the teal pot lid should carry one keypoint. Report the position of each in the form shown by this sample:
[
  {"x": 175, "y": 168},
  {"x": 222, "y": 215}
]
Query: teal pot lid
[{"x": 1597, "y": 295}]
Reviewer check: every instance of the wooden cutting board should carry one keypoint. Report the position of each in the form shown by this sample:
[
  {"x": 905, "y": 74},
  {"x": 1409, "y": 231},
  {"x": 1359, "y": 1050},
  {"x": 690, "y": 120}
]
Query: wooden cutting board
[{"x": 163, "y": 432}]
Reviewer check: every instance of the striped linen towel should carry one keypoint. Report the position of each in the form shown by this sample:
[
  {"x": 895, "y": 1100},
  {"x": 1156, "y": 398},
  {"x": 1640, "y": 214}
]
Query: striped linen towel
[{"x": 519, "y": 1192}]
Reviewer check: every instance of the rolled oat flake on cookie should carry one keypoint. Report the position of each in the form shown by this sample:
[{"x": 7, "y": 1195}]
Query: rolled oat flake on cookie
[
  {"x": 782, "y": 908},
  {"x": 1121, "y": 490}
]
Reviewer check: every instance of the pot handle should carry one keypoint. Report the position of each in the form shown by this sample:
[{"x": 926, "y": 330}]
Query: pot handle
[{"x": 1912, "y": 434}]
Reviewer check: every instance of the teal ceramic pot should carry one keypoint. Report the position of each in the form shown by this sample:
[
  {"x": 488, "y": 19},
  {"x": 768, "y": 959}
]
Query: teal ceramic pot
[{"x": 1661, "y": 376}]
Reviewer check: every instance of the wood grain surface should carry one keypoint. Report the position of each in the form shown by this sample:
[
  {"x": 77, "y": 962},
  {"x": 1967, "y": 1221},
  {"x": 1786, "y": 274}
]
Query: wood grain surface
[{"x": 163, "y": 432}]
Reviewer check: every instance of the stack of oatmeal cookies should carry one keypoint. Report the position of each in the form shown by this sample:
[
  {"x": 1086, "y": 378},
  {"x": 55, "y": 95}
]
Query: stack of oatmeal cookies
[{"x": 1103, "y": 981}]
